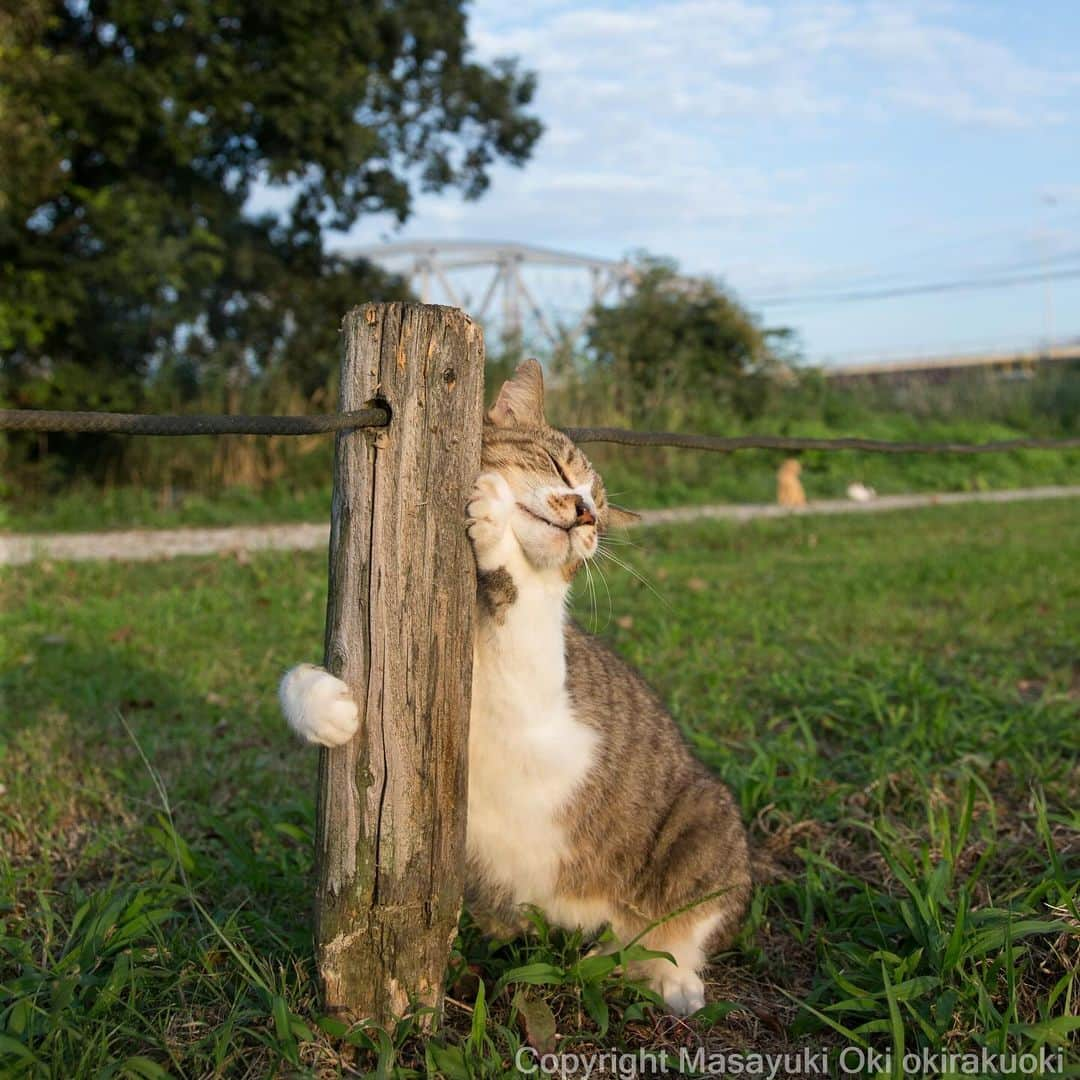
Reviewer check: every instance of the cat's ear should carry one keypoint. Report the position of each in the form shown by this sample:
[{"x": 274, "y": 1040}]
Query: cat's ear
[
  {"x": 521, "y": 400},
  {"x": 620, "y": 518}
]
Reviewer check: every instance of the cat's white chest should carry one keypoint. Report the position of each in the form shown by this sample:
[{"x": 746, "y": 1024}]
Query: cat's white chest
[{"x": 527, "y": 757}]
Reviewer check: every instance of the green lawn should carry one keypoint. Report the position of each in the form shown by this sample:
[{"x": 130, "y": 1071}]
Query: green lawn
[{"x": 894, "y": 698}]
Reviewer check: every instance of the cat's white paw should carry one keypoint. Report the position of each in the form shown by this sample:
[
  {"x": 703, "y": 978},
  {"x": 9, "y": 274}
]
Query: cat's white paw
[
  {"x": 490, "y": 506},
  {"x": 318, "y": 706},
  {"x": 683, "y": 991}
]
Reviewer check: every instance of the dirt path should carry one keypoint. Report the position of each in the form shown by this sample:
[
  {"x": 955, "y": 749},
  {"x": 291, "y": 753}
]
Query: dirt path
[{"x": 143, "y": 544}]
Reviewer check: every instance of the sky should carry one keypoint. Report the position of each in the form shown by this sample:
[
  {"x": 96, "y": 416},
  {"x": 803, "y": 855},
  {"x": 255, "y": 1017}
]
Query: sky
[{"x": 802, "y": 152}]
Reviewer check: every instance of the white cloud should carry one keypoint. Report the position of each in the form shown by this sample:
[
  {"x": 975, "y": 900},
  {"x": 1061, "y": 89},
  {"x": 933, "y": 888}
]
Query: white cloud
[
  {"x": 646, "y": 101},
  {"x": 747, "y": 58}
]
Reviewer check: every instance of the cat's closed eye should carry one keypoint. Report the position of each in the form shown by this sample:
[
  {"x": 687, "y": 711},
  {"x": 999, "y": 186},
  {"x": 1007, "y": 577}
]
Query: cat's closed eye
[{"x": 559, "y": 469}]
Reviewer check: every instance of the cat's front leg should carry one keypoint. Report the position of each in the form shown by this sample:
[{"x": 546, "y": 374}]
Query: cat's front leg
[
  {"x": 489, "y": 510},
  {"x": 318, "y": 706}
]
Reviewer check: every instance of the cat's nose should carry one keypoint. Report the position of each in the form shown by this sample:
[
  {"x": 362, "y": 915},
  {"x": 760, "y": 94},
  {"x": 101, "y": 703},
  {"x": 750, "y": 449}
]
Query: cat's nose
[{"x": 584, "y": 515}]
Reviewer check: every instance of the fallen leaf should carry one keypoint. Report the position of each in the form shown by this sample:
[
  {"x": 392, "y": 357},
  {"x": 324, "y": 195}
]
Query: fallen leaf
[
  {"x": 696, "y": 584},
  {"x": 768, "y": 1018},
  {"x": 464, "y": 988},
  {"x": 538, "y": 1021}
]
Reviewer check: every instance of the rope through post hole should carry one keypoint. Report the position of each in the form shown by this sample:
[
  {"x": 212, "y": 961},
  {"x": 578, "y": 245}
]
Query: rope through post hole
[{"x": 140, "y": 424}]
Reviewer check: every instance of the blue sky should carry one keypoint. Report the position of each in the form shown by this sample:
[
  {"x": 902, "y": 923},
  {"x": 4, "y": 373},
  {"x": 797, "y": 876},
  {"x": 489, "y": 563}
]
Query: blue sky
[{"x": 802, "y": 148}]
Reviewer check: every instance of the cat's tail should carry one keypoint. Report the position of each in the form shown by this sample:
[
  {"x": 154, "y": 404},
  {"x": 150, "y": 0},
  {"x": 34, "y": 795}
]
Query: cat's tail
[{"x": 318, "y": 706}]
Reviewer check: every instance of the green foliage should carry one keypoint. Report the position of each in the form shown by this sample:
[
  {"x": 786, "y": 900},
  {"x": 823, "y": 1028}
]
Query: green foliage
[
  {"x": 672, "y": 337},
  {"x": 131, "y": 137},
  {"x": 893, "y": 699}
]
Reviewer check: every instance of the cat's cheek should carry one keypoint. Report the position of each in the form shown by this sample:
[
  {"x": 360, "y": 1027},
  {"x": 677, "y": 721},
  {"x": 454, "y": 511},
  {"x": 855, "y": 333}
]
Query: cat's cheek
[{"x": 544, "y": 546}]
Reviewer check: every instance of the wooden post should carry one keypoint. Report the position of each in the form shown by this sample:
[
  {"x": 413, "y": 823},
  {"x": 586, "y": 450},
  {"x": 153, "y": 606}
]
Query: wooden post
[{"x": 390, "y": 837}]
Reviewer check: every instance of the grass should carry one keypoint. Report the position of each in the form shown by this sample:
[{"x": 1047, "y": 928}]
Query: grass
[
  {"x": 894, "y": 700},
  {"x": 84, "y": 507}
]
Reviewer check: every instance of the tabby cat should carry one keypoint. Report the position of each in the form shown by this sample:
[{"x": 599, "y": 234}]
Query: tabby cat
[{"x": 584, "y": 801}]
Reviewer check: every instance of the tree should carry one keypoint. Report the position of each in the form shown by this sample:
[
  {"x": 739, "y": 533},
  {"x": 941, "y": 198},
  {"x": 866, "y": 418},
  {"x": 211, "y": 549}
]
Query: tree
[
  {"x": 674, "y": 336},
  {"x": 132, "y": 135}
]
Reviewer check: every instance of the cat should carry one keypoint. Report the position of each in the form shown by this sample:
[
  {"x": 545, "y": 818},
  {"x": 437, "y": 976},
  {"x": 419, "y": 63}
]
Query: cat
[
  {"x": 583, "y": 799},
  {"x": 789, "y": 489}
]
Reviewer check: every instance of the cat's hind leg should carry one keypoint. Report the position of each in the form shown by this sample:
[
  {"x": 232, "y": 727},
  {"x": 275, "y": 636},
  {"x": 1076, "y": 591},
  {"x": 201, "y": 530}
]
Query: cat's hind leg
[
  {"x": 318, "y": 706},
  {"x": 685, "y": 940}
]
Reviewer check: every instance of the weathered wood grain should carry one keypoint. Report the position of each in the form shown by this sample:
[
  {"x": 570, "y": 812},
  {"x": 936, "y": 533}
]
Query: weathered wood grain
[{"x": 399, "y": 630}]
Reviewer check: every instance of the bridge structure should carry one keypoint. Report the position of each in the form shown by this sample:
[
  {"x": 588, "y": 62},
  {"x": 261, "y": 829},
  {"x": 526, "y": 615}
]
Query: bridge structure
[
  {"x": 1015, "y": 362},
  {"x": 511, "y": 289},
  {"x": 496, "y": 282}
]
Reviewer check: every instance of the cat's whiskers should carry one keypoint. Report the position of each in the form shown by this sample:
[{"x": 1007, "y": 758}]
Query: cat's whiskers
[
  {"x": 603, "y": 553},
  {"x": 592, "y": 587},
  {"x": 592, "y": 591},
  {"x": 603, "y": 581},
  {"x": 623, "y": 541}
]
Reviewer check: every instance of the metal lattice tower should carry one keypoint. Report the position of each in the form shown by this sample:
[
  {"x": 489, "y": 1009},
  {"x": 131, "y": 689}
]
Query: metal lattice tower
[{"x": 435, "y": 271}]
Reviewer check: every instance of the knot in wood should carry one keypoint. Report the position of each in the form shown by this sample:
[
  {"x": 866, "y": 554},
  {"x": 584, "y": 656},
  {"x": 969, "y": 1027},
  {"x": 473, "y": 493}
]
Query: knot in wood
[{"x": 336, "y": 661}]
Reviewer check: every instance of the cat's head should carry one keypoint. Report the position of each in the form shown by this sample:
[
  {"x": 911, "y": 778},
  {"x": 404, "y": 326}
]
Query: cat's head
[{"x": 560, "y": 506}]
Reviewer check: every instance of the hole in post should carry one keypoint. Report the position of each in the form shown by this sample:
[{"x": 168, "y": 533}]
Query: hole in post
[{"x": 379, "y": 402}]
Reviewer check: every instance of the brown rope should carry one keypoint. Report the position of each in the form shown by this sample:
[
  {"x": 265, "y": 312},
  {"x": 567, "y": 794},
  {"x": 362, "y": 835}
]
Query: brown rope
[
  {"x": 379, "y": 416},
  {"x": 140, "y": 424},
  {"x": 726, "y": 445}
]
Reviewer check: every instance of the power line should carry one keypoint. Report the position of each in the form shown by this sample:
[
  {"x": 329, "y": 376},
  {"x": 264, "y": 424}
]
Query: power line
[
  {"x": 899, "y": 278},
  {"x": 955, "y": 285},
  {"x": 884, "y": 269}
]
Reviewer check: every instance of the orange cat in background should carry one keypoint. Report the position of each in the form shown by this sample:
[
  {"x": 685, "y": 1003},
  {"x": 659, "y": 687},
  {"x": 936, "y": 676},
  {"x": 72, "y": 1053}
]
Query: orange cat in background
[{"x": 789, "y": 490}]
